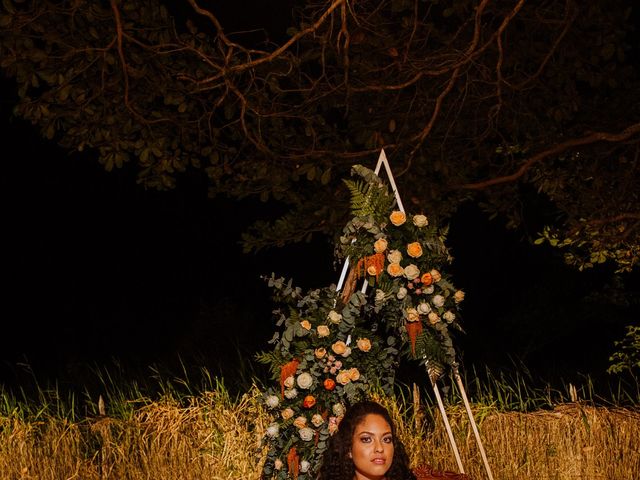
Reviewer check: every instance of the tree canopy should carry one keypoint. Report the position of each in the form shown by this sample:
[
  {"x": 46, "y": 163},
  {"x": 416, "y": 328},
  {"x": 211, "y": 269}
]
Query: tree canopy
[{"x": 503, "y": 103}]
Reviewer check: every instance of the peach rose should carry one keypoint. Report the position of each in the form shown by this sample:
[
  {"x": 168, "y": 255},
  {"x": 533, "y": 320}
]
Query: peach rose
[
  {"x": 433, "y": 318},
  {"x": 380, "y": 245},
  {"x": 323, "y": 331},
  {"x": 339, "y": 347},
  {"x": 278, "y": 464},
  {"x": 320, "y": 352},
  {"x": 395, "y": 270},
  {"x": 414, "y": 249},
  {"x": 289, "y": 382},
  {"x": 397, "y": 218},
  {"x": 436, "y": 275},
  {"x": 300, "y": 422},
  {"x": 372, "y": 270},
  {"x": 305, "y": 324},
  {"x": 458, "y": 296},
  {"x": 449, "y": 316},
  {"x": 354, "y": 374},
  {"x": 343, "y": 377},
  {"x": 420, "y": 221},
  {"x": 287, "y": 413},
  {"x": 364, "y": 344}
]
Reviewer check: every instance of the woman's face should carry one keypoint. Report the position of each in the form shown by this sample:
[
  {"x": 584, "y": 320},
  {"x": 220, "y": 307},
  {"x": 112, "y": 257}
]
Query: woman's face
[{"x": 372, "y": 448}]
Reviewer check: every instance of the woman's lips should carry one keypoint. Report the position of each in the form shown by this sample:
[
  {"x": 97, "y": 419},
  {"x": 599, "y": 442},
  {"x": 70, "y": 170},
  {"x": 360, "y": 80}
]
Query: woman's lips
[{"x": 379, "y": 461}]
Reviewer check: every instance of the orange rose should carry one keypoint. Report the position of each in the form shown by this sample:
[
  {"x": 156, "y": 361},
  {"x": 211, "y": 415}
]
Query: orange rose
[
  {"x": 364, "y": 344},
  {"x": 397, "y": 218},
  {"x": 320, "y": 352},
  {"x": 414, "y": 249},
  {"x": 427, "y": 279},
  {"x": 395, "y": 270},
  {"x": 309, "y": 401},
  {"x": 329, "y": 384},
  {"x": 305, "y": 324},
  {"x": 339, "y": 347}
]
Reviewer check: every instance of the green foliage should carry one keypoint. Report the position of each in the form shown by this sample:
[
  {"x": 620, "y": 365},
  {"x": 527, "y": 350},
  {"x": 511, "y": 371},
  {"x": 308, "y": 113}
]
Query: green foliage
[{"x": 627, "y": 358}]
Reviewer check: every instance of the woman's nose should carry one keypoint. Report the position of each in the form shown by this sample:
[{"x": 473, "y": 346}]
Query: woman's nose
[{"x": 378, "y": 446}]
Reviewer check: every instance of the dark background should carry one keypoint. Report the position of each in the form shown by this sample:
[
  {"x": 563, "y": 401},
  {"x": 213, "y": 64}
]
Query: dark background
[{"x": 97, "y": 272}]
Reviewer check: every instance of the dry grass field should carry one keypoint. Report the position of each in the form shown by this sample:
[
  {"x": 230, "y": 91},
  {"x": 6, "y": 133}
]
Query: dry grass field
[{"x": 213, "y": 436}]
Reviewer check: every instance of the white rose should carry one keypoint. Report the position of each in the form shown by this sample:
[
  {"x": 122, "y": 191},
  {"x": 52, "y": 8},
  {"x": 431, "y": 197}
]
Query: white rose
[
  {"x": 304, "y": 466},
  {"x": 394, "y": 256},
  {"x": 278, "y": 464},
  {"x": 428, "y": 290},
  {"x": 334, "y": 317},
  {"x": 449, "y": 316},
  {"x": 420, "y": 221},
  {"x": 402, "y": 292},
  {"x": 272, "y": 401},
  {"x": 438, "y": 300},
  {"x": 424, "y": 308},
  {"x": 289, "y": 382},
  {"x": 411, "y": 272},
  {"x": 338, "y": 410},
  {"x": 305, "y": 380},
  {"x": 291, "y": 393},
  {"x": 273, "y": 430},
  {"x": 306, "y": 434},
  {"x": 317, "y": 420}
]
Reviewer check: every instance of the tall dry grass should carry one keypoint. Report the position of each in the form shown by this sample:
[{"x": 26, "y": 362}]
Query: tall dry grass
[{"x": 212, "y": 436}]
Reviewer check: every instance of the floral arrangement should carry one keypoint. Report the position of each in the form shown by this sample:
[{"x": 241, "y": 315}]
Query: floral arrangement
[{"x": 334, "y": 345}]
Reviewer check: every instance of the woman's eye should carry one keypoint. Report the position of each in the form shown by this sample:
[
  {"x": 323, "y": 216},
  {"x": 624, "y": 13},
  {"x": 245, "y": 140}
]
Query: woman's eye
[
  {"x": 365, "y": 439},
  {"x": 387, "y": 439}
]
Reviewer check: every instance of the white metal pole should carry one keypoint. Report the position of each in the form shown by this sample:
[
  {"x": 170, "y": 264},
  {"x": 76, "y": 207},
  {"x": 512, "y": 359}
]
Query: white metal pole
[
  {"x": 445, "y": 418},
  {"x": 474, "y": 427}
]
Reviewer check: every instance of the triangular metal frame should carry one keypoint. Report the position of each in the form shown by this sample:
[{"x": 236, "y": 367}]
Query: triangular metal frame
[{"x": 382, "y": 161}]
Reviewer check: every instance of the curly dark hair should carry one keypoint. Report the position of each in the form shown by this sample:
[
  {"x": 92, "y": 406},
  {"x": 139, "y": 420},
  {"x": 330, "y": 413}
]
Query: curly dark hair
[{"x": 336, "y": 462}]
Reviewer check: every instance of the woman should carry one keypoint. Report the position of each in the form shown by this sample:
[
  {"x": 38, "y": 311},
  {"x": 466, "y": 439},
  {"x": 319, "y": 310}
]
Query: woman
[{"x": 365, "y": 447}]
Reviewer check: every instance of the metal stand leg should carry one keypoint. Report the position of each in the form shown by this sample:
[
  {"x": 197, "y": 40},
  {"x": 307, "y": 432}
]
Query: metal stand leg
[
  {"x": 487, "y": 468},
  {"x": 433, "y": 376}
]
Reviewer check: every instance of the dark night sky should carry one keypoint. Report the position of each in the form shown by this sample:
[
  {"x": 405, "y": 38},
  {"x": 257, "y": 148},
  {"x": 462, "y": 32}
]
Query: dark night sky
[{"x": 95, "y": 269}]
